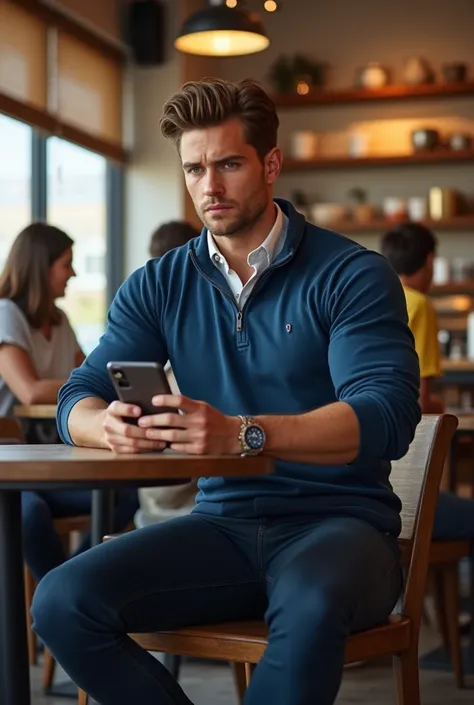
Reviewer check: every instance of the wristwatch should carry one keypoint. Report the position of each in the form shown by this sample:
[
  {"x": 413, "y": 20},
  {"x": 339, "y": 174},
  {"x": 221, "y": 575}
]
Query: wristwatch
[{"x": 252, "y": 436}]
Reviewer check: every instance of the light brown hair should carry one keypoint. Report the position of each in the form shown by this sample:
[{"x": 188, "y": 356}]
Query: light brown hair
[
  {"x": 212, "y": 101},
  {"x": 25, "y": 276}
]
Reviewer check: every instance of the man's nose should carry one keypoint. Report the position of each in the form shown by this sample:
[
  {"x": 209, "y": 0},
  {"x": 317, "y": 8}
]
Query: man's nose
[{"x": 213, "y": 185}]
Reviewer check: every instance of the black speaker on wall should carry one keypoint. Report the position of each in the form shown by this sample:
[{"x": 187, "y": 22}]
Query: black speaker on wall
[{"x": 145, "y": 31}]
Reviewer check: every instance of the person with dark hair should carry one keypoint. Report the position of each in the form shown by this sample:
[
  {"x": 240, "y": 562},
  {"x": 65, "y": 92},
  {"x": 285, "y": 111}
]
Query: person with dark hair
[
  {"x": 38, "y": 351},
  {"x": 162, "y": 503},
  {"x": 285, "y": 339},
  {"x": 170, "y": 235},
  {"x": 411, "y": 248}
]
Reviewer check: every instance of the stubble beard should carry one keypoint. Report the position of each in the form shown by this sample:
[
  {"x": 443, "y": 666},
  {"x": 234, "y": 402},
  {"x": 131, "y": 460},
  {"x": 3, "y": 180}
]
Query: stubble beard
[{"x": 239, "y": 225}]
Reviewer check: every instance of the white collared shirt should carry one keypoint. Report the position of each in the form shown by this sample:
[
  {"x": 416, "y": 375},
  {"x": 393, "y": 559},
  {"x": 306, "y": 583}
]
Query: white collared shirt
[{"x": 259, "y": 259}]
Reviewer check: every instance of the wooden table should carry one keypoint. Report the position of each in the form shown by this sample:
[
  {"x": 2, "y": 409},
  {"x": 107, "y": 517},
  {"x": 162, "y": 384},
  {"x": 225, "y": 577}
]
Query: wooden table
[
  {"x": 35, "y": 411},
  {"x": 465, "y": 429},
  {"x": 57, "y": 467}
]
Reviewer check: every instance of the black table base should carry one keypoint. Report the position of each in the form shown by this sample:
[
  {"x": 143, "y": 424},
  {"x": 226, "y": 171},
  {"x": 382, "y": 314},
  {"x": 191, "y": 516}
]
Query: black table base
[{"x": 14, "y": 668}]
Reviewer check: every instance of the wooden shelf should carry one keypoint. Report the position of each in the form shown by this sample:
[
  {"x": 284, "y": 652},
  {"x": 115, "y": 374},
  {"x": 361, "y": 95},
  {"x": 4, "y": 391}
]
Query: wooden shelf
[
  {"x": 437, "y": 156},
  {"x": 460, "y": 222},
  {"x": 466, "y": 287},
  {"x": 355, "y": 95},
  {"x": 463, "y": 365}
]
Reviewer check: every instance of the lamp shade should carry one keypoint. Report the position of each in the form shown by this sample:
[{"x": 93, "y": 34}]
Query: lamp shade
[{"x": 222, "y": 31}]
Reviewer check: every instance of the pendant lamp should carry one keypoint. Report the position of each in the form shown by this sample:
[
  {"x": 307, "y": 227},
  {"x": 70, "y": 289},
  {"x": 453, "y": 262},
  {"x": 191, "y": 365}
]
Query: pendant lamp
[{"x": 219, "y": 30}]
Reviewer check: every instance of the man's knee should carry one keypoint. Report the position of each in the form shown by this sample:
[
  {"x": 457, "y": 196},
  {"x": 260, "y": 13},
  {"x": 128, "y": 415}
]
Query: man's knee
[{"x": 60, "y": 602}]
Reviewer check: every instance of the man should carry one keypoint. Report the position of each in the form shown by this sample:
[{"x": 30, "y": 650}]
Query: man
[{"x": 295, "y": 342}]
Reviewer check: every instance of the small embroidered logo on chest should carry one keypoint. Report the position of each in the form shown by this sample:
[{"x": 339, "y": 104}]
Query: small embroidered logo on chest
[{"x": 288, "y": 327}]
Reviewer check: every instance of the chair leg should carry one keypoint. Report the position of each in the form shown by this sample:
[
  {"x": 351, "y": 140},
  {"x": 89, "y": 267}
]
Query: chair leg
[
  {"x": 405, "y": 666},
  {"x": 437, "y": 584},
  {"x": 249, "y": 669},
  {"x": 82, "y": 697},
  {"x": 451, "y": 600},
  {"x": 31, "y": 636},
  {"x": 173, "y": 664},
  {"x": 240, "y": 680},
  {"x": 49, "y": 668}
]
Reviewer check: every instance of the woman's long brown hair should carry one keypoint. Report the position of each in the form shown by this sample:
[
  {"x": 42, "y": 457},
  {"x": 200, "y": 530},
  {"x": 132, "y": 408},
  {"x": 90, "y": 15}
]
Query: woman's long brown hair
[{"x": 25, "y": 277}]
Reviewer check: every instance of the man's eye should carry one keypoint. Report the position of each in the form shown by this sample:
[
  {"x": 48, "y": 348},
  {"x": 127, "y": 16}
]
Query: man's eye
[
  {"x": 231, "y": 165},
  {"x": 195, "y": 170}
]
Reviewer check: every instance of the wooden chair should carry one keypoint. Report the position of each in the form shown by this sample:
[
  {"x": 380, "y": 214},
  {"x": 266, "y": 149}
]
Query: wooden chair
[
  {"x": 444, "y": 561},
  {"x": 416, "y": 479}
]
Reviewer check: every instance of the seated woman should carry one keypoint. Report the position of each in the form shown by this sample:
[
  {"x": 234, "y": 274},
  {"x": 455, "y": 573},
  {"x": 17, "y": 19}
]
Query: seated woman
[{"x": 38, "y": 351}]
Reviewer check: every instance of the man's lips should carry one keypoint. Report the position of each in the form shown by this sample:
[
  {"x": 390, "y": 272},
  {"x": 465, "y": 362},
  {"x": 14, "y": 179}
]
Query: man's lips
[{"x": 218, "y": 208}]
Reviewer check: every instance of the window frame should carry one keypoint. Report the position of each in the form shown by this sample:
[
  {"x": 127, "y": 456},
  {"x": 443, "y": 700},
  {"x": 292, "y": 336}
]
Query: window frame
[{"x": 114, "y": 258}]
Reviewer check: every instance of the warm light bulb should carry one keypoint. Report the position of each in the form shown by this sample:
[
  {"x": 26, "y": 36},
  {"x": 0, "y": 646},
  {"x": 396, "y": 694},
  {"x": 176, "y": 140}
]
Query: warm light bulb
[
  {"x": 270, "y": 5},
  {"x": 302, "y": 88},
  {"x": 221, "y": 43},
  {"x": 231, "y": 3}
]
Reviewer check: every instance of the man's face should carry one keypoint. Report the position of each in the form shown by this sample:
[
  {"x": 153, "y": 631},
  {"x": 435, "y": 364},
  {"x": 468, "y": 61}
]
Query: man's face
[{"x": 228, "y": 183}]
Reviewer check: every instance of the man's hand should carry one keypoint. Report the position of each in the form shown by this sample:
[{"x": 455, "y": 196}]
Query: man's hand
[
  {"x": 123, "y": 437},
  {"x": 198, "y": 430}
]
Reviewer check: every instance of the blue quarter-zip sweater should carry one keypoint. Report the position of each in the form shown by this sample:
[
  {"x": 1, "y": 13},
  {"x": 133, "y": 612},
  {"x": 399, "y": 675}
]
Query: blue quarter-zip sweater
[{"x": 326, "y": 322}]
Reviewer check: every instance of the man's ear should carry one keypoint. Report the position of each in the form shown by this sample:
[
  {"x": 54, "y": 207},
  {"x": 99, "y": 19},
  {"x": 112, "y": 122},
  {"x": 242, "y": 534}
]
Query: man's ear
[{"x": 273, "y": 163}]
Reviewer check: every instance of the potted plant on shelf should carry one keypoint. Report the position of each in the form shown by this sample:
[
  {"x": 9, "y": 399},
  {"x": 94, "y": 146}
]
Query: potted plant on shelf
[
  {"x": 362, "y": 211},
  {"x": 281, "y": 75},
  {"x": 299, "y": 74}
]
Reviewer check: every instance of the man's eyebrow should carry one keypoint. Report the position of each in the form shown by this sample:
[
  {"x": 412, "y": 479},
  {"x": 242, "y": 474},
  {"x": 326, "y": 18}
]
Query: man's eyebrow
[{"x": 228, "y": 158}]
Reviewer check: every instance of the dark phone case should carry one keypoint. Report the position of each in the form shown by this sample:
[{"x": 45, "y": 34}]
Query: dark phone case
[{"x": 146, "y": 379}]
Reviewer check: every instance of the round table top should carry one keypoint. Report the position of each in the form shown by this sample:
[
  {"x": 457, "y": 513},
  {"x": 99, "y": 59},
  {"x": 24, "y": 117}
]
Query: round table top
[
  {"x": 35, "y": 411},
  {"x": 61, "y": 465}
]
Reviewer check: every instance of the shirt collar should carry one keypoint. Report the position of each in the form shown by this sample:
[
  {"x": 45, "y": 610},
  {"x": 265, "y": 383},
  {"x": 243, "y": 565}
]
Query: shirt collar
[{"x": 269, "y": 249}]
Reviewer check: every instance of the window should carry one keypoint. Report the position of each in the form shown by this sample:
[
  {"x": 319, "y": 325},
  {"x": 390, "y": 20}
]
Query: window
[
  {"x": 15, "y": 181},
  {"x": 77, "y": 203}
]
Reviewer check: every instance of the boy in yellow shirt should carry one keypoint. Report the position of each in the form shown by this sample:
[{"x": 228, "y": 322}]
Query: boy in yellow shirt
[{"x": 410, "y": 248}]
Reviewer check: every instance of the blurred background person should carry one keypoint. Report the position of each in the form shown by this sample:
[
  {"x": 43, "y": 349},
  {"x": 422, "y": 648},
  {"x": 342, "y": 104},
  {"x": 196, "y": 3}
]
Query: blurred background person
[
  {"x": 161, "y": 503},
  {"x": 411, "y": 248},
  {"x": 38, "y": 351},
  {"x": 170, "y": 235},
  {"x": 38, "y": 347}
]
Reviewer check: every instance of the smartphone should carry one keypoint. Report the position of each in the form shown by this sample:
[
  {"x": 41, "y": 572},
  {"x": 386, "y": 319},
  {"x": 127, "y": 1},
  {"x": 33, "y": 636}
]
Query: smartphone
[{"x": 137, "y": 383}]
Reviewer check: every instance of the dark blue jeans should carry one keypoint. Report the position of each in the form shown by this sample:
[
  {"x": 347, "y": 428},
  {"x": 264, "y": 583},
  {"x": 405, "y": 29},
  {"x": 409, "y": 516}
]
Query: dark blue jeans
[
  {"x": 314, "y": 582},
  {"x": 42, "y": 546},
  {"x": 454, "y": 521}
]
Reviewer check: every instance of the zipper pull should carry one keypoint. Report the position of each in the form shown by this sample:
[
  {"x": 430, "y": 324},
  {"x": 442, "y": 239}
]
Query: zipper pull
[{"x": 239, "y": 321}]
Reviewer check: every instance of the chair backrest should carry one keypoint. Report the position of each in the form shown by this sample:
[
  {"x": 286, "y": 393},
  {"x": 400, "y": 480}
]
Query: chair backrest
[
  {"x": 10, "y": 431},
  {"x": 416, "y": 478}
]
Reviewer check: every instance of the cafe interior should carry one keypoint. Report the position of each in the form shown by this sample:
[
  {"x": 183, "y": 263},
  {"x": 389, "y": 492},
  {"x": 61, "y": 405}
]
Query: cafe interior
[{"x": 376, "y": 110}]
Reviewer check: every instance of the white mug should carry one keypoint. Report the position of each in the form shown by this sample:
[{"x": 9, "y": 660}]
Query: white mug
[
  {"x": 440, "y": 270},
  {"x": 304, "y": 144},
  {"x": 417, "y": 208}
]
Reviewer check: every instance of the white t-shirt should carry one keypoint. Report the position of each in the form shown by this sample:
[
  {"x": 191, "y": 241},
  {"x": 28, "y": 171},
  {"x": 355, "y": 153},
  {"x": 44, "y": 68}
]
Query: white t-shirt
[{"x": 52, "y": 359}]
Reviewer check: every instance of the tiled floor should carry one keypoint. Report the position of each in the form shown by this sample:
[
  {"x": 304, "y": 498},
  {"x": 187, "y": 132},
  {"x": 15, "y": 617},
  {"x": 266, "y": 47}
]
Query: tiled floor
[{"x": 209, "y": 684}]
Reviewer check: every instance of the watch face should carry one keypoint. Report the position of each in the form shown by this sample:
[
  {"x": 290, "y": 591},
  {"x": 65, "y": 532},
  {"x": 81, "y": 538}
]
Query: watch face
[{"x": 254, "y": 437}]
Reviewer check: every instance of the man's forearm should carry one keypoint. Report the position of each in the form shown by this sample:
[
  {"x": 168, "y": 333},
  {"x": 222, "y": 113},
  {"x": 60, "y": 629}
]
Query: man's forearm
[
  {"x": 326, "y": 436},
  {"x": 85, "y": 423}
]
